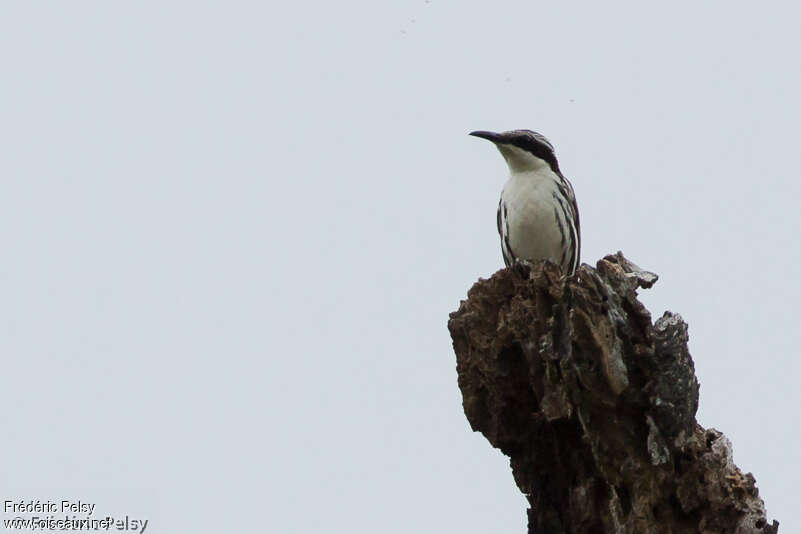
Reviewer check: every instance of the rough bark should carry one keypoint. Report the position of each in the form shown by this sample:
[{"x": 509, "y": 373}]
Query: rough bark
[{"x": 595, "y": 405}]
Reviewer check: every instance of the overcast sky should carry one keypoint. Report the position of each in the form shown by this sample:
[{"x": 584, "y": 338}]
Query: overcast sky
[{"x": 232, "y": 234}]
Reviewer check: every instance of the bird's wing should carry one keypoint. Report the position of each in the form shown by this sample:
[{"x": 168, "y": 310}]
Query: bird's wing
[
  {"x": 567, "y": 190},
  {"x": 503, "y": 231},
  {"x": 499, "y": 217}
]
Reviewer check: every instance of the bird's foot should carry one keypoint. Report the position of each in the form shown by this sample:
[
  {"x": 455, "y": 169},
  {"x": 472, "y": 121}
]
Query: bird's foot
[{"x": 522, "y": 267}]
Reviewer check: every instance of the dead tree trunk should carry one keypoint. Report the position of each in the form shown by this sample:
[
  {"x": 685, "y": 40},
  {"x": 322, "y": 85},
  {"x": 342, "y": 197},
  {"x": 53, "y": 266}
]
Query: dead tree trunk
[{"x": 595, "y": 405}]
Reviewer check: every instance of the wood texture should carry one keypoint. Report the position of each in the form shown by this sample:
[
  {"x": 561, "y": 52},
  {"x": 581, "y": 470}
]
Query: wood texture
[{"x": 595, "y": 405}]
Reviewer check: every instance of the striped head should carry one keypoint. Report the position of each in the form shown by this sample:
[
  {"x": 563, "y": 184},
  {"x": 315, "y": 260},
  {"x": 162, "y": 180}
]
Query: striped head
[{"x": 523, "y": 150}]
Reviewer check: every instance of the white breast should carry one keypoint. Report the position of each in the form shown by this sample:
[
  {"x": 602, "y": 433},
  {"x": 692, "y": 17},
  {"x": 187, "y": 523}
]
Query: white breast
[{"x": 532, "y": 215}]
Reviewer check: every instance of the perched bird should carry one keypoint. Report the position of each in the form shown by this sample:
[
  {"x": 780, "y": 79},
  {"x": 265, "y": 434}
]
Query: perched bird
[{"x": 537, "y": 216}]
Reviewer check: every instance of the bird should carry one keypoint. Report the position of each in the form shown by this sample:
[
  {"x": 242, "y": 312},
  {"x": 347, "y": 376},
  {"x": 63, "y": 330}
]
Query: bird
[{"x": 538, "y": 216}]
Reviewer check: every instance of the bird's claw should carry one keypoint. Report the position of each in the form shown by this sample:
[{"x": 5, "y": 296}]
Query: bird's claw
[{"x": 522, "y": 267}]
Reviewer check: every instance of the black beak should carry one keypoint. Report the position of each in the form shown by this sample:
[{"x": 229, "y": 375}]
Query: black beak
[{"x": 489, "y": 136}]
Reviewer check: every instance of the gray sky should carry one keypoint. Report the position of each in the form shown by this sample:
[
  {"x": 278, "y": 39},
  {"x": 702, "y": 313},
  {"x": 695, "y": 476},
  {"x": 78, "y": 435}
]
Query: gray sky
[{"x": 233, "y": 233}]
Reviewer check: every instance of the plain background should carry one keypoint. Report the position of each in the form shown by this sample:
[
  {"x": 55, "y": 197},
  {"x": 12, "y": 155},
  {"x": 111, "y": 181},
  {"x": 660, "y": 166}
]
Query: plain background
[{"x": 232, "y": 234}]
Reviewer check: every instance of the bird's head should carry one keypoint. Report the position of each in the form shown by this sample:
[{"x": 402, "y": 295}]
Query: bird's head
[{"x": 523, "y": 150}]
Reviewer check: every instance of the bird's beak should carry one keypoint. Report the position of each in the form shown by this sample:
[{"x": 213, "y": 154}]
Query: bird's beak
[{"x": 489, "y": 136}]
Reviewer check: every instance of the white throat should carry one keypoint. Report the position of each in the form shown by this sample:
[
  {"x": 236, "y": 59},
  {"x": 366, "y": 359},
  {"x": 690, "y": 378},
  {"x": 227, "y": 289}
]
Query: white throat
[{"x": 521, "y": 161}]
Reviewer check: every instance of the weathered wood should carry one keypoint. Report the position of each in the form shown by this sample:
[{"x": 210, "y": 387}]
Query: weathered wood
[{"x": 595, "y": 405}]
